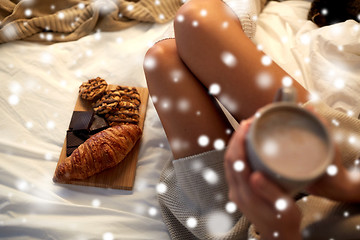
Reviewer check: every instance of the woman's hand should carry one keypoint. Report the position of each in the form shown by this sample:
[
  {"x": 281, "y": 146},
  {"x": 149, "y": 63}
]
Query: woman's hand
[
  {"x": 268, "y": 207},
  {"x": 338, "y": 184}
]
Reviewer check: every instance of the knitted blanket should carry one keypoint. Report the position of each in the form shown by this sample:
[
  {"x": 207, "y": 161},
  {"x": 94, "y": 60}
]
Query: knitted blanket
[{"x": 69, "y": 20}]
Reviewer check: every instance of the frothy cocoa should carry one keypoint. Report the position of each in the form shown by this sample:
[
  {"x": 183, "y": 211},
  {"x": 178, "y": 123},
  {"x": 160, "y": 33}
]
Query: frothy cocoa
[{"x": 291, "y": 145}]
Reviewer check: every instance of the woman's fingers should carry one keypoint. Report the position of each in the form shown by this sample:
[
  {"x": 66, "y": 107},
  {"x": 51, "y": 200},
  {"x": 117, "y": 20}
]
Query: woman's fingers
[
  {"x": 269, "y": 191},
  {"x": 265, "y": 187}
]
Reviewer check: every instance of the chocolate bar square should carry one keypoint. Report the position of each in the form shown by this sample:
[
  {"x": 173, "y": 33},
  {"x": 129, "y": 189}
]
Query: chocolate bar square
[
  {"x": 69, "y": 150},
  {"x": 81, "y": 120},
  {"x": 73, "y": 140},
  {"x": 98, "y": 124}
]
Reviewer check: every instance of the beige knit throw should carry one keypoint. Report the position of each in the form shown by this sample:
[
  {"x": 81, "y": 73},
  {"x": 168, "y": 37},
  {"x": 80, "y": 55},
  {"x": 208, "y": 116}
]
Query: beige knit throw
[{"x": 68, "y": 20}]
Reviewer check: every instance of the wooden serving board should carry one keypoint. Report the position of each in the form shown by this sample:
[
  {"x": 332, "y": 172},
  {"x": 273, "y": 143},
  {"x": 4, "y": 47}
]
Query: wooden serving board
[{"x": 122, "y": 176}]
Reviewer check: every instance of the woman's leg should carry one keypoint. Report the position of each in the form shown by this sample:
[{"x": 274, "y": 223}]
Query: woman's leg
[
  {"x": 192, "y": 119},
  {"x": 212, "y": 44}
]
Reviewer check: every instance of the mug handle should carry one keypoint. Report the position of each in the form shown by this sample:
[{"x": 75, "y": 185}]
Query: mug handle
[{"x": 285, "y": 94}]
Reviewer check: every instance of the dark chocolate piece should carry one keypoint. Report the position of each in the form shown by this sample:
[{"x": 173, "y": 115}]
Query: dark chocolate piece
[
  {"x": 84, "y": 135},
  {"x": 98, "y": 124},
  {"x": 69, "y": 150},
  {"x": 73, "y": 140},
  {"x": 81, "y": 120}
]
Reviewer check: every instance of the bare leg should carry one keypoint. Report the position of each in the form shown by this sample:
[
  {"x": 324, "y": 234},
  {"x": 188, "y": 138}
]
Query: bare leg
[
  {"x": 211, "y": 52},
  {"x": 212, "y": 44},
  {"x": 188, "y": 113}
]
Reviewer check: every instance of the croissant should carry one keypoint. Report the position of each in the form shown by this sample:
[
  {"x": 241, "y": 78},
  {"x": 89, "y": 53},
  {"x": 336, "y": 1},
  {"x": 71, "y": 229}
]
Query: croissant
[{"x": 101, "y": 151}]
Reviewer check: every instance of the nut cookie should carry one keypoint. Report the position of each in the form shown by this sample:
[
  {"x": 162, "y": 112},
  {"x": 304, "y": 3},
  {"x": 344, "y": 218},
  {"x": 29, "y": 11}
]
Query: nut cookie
[
  {"x": 106, "y": 103},
  {"x": 93, "y": 89},
  {"x": 119, "y": 118},
  {"x": 113, "y": 100}
]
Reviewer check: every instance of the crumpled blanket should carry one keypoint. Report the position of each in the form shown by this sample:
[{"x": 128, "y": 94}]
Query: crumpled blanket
[{"x": 69, "y": 20}]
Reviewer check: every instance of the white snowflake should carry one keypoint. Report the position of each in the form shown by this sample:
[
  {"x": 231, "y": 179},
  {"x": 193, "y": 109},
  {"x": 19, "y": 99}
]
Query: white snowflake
[
  {"x": 225, "y": 24},
  {"x": 22, "y": 185},
  {"x": 281, "y": 204},
  {"x": 153, "y": 211},
  {"x": 29, "y": 125},
  {"x": 97, "y": 35},
  {"x": 239, "y": 166},
  {"x": 218, "y": 223},
  {"x": 15, "y": 87},
  {"x": 46, "y": 58},
  {"x": 203, "y": 140},
  {"x": 229, "y": 103},
  {"x": 13, "y": 99},
  {"x": 180, "y": 18},
  {"x": 284, "y": 39},
  {"x": 214, "y": 89},
  {"x": 305, "y": 39},
  {"x": 28, "y": 12},
  {"x": 264, "y": 80},
  {"x": 49, "y": 36},
  {"x": 161, "y": 188},
  {"x": 95, "y": 203},
  {"x": 203, "y": 12},
  {"x": 108, "y": 236},
  {"x": 197, "y": 165},
  {"x": 219, "y": 144},
  {"x": 165, "y": 104},
  {"x": 266, "y": 60},
  {"x": 61, "y": 15},
  {"x": 154, "y": 99},
  {"x": 50, "y": 125},
  {"x": 48, "y": 156},
  {"x": 335, "y": 122},
  {"x": 287, "y": 81},
  {"x": 130, "y": 7},
  {"x": 270, "y": 147},
  {"x": 332, "y": 170},
  {"x": 228, "y": 59},
  {"x": 149, "y": 63},
  {"x": 352, "y": 139},
  {"x": 10, "y": 31},
  {"x": 176, "y": 75},
  {"x": 210, "y": 176},
  {"x": 191, "y": 222},
  {"x": 230, "y": 207},
  {"x": 183, "y": 105},
  {"x": 339, "y": 83}
]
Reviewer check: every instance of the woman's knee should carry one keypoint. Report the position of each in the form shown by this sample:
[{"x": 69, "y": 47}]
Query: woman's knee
[
  {"x": 198, "y": 20},
  {"x": 158, "y": 60}
]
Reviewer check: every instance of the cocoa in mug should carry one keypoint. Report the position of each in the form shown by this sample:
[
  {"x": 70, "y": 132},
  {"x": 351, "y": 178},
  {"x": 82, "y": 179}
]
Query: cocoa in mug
[{"x": 289, "y": 144}]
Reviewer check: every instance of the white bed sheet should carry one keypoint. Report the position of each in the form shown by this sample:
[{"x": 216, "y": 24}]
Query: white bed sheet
[{"x": 38, "y": 93}]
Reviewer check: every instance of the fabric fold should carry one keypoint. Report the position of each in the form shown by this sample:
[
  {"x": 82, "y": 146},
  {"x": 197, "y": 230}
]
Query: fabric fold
[{"x": 54, "y": 21}]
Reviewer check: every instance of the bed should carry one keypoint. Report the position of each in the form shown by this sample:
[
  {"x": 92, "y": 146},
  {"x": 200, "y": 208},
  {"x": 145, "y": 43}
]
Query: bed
[{"x": 39, "y": 90}]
